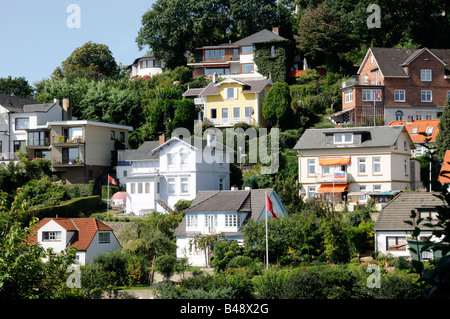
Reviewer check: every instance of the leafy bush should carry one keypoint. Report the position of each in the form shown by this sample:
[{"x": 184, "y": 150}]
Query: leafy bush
[
  {"x": 270, "y": 284},
  {"x": 166, "y": 265}
]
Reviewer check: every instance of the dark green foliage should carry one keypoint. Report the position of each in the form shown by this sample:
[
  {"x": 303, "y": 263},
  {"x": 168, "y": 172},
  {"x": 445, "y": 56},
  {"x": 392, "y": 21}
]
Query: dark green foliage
[
  {"x": 224, "y": 252},
  {"x": 277, "y": 106},
  {"x": 442, "y": 143},
  {"x": 15, "y": 86},
  {"x": 77, "y": 207},
  {"x": 165, "y": 265},
  {"x": 271, "y": 59},
  {"x": 304, "y": 285},
  {"x": 44, "y": 192}
]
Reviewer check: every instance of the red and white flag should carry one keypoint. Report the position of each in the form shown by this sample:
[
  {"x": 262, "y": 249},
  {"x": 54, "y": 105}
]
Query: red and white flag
[
  {"x": 269, "y": 207},
  {"x": 111, "y": 180}
]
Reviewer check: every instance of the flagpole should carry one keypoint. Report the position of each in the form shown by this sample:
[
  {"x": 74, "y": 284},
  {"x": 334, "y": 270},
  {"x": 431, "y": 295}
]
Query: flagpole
[
  {"x": 107, "y": 200},
  {"x": 267, "y": 240}
]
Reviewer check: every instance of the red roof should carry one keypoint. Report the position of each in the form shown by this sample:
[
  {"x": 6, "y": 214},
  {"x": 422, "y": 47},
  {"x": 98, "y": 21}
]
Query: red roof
[
  {"x": 84, "y": 228},
  {"x": 419, "y": 126},
  {"x": 445, "y": 167}
]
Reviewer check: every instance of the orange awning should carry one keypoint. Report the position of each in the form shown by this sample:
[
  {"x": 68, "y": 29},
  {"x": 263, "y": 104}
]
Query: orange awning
[
  {"x": 329, "y": 188},
  {"x": 343, "y": 160}
]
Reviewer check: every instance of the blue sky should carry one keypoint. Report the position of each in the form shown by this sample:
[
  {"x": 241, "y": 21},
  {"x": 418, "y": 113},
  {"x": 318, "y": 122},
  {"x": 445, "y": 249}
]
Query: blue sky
[{"x": 35, "y": 38}]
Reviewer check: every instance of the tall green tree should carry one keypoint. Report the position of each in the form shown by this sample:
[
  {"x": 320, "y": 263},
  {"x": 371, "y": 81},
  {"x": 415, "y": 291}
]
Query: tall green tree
[
  {"x": 94, "y": 57},
  {"x": 277, "y": 106},
  {"x": 442, "y": 142},
  {"x": 16, "y": 86}
]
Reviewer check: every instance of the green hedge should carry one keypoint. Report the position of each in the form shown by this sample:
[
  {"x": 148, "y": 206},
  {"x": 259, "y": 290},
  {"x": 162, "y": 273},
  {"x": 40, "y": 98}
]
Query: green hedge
[
  {"x": 79, "y": 190},
  {"x": 76, "y": 207}
]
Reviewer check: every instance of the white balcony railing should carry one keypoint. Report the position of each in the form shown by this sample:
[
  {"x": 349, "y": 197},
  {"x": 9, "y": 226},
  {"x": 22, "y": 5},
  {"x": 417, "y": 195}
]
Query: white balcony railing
[
  {"x": 231, "y": 121},
  {"x": 338, "y": 177}
]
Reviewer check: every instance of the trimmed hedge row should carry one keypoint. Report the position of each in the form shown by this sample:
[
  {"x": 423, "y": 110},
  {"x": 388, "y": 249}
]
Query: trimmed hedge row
[{"x": 76, "y": 207}]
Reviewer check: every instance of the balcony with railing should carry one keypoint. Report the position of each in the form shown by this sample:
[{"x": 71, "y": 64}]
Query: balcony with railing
[
  {"x": 360, "y": 80},
  {"x": 230, "y": 121},
  {"x": 337, "y": 178},
  {"x": 61, "y": 140}
]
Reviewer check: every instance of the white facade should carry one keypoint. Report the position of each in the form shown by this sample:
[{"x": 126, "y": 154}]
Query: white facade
[
  {"x": 146, "y": 66},
  {"x": 53, "y": 235},
  {"x": 177, "y": 174},
  {"x": 13, "y": 126},
  {"x": 358, "y": 170},
  {"x": 225, "y": 222}
]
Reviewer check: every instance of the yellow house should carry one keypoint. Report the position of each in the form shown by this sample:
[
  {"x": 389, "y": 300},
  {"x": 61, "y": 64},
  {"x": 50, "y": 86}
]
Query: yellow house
[{"x": 232, "y": 101}]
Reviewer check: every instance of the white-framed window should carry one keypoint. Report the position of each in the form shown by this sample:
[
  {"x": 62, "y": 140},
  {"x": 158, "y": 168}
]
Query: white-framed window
[
  {"x": 171, "y": 185},
  {"x": 247, "y": 68},
  {"x": 248, "y": 111},
  {"x": 51, "y": 235},
  {"x": 425, "y": 75},
  {"x": 236, "y": 112},
  {"x": 399, "y": 96},
  {"x": 418, "y": 116},
  {"x": 326, "y": 169},
  {"x": 231, "y": 93},
  {"x": 362, "y": 197},
  {"x": 426, "y": 96},
  {"x": 362, "y": 165},
  {"x": 147, "y": 188},
  {"x": 428, "y": 116},
  {"x": 377, "y": 188},
  {"x": 232, "y": 220},
  {"x": 399, "y": 116},
  {"x": 140, "y": 190},
  {"x": 133, "y": 188},
  {"x": 22, "y": 123},
  {"x": 396, "y": 243},
  {"x": 184, "y": 185},
  {"x": 247, "y": 49},
  {"x": 311, "y": 191},
  {"x": 191, "y": 221},
  {"x": 184, "y": 156},
  {"x": 104, "y": 237},
  {"x": 343, "y": 138},
  {"x": 414, "y": 130},
  {"x": 225, "y": 113},
  {"x": 348, "y": 96},
  {"x": 311, "y": 166},
  {"x": 170, "y": 159},
  {"x": 371, "y": 95},
  {"x": 376, "y": 163},
  {"x": 211, "y": 221},
  {"x": 405, "y": 166}
]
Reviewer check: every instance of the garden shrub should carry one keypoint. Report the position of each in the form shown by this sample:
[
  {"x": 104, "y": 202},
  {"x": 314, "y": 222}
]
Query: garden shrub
[
  {"x": 271, "y": 284},
  {"x": 304, "y": 284}
]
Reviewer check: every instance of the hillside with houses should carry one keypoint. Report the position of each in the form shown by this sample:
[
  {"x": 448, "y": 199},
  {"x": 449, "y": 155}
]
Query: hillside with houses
[{"x": 280, "y": 155}]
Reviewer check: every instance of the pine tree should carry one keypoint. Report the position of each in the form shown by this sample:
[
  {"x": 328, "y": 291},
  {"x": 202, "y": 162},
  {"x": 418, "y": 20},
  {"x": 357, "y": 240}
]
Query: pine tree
[{"x": 443, "y": 138}]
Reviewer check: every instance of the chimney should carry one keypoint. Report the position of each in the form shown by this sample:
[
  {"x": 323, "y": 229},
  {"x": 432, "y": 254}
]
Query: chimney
[
  {"x": 276, "y": 30},
  {"x": 248, "y": 188},
  {"x": 55, "y": 100},
  {"x": 67, "y": 110},
  {"x": 410, "y": 119},
  {"x": 162, "y": 139},
  {"x": 215, "y": 78}
]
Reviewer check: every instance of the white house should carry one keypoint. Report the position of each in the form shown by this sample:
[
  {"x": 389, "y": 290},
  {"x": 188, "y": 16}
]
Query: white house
[
  {"x": 162, "y": 173},
  {"x": 391, "y": 231},
  {"x": 146, "y": 66},
  {"x": 222, "y": 212},
  {"x": 19, "y": 114},
  {"x": 345, "y": 165},
  {"x": 88, "y": 235}
]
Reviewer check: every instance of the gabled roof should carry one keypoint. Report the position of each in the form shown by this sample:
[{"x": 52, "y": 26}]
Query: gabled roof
[
  {"x": 227, "y": 201},
  {"x": 84, "y": 229},
  {"x": 260, "y": 37},
  {"x": 249, "y": 86},
  {"x": 392, "y": 60},
  {"x": 397, "y": 211},
  {"x": 18, "y": 104},
  {"x": 375, "y": 136},
  {"x": 421, "y": 126}
]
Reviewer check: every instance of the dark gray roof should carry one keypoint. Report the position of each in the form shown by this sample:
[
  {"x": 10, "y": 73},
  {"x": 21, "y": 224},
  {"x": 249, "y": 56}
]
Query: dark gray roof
[
  {"x": 260, "y": 37},
  {"x": 149, "y": 150},
  {"x": 394, "y": 214},
  {"x": 144, "y": 152},
  {"x": 373, "y": 136},
  {"x": 391, "y": 60},
  {"x": 251, "y": 201},
  {"x": 16, "y": 104},
  {"x": 249, "y": 86}
]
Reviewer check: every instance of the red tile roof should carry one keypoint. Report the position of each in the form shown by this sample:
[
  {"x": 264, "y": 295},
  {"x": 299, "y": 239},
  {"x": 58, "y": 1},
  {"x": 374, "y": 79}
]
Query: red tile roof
[
  {"x": 421, "y": 126},
  {"x": 445, "y": 167},
  {"x": 85, "y": 229}
]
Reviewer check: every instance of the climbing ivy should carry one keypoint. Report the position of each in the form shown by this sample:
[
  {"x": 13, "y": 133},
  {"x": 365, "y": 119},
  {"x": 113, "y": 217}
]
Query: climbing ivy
[{"x": 271, "y": 58}]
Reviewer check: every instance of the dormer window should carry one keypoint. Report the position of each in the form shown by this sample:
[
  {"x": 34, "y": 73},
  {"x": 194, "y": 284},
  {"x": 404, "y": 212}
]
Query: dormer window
[
  {"x": 343, "y": 138},
  {"x": 51, "y": 236}
]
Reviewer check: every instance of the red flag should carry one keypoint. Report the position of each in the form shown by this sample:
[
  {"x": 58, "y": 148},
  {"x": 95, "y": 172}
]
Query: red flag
[
  {"x": 112, "y": 181},
  {"x": 269, "y": 207}
]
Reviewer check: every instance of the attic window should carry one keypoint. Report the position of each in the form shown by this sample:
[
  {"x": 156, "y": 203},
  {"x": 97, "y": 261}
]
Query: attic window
[
  {"x": 429, "y": 130},
  {"x": 51, "y": 236},
  {"x": 343, "y": 138},
  {"x": 414, "y": 130},
  {"x": 103, "y": 238}
]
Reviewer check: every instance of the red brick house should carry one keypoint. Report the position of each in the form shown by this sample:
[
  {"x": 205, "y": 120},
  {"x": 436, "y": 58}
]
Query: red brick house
[{"x": 395, "y": 85}]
